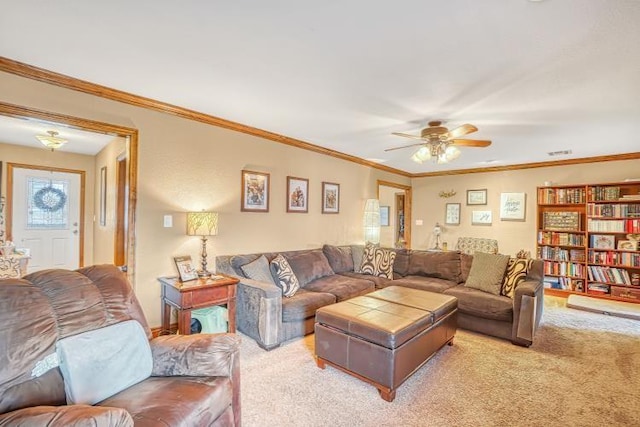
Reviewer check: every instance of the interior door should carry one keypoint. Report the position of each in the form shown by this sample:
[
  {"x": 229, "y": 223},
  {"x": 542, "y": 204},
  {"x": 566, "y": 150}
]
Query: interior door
[{"x": 46, "y": 213}]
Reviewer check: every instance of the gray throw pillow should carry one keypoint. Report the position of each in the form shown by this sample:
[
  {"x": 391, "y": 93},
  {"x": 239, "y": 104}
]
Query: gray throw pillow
[
  {"x": 284, "y": 276},
  {"x": 258, "y": 270},
  {"x": 340, "y": 258},
  {"x": 357, "y": 252},
  {"x": 487, "y": 272}
]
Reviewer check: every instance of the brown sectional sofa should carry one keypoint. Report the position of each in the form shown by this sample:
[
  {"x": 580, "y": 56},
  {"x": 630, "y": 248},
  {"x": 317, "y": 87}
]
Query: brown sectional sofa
[{"x": 328, "y": 275}]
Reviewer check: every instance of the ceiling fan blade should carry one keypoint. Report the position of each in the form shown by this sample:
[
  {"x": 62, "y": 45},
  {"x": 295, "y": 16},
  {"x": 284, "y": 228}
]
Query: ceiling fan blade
[
  {"x": 404, "y": 146},
  {"x": 470, "y": 142},
  {"x": 406, "y": 135},
  {"x": 461, "y": 131}
]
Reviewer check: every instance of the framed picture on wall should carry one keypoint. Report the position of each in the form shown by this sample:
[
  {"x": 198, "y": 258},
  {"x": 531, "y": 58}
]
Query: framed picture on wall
[
  {"x": 481, "y": 218},
  {"x": 477, "y": 197},
  {"x": 384, "y": 216},
  {"x": 330, "y": 198},
  {"x": 512, "y": 206},
  {"x": 255, "y": 191},
  {"x": 452, "y": 214},
  {"x": 297, "y": 195}
]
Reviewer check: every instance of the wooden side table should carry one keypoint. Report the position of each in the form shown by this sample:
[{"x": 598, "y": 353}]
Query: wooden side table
[{"x": 194, "y": 294}]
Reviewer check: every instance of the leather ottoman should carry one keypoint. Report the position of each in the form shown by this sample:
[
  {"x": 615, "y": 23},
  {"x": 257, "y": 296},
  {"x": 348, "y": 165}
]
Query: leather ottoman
[{"x": 385, "y": 336}]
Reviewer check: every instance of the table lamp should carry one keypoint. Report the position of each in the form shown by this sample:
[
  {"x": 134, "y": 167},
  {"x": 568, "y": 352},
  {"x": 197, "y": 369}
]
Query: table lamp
[{"x": 202, "y": 224}]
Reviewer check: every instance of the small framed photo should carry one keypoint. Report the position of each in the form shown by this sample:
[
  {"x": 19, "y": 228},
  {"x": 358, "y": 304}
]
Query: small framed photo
[
  {"x": 185, "y": 268},
  {"x": 452, "y": 214},
  {"x": 512, "y": 206},
  {"x": 255, "y": 191},
  {"x": 603, "y": 241},
  {"x": 481, "y": 218},
  {"x": 477, "y": 197},
  {"x": 297, "y": 194},
  {"x": 330, "y": 198},
  {"x": 384, "y": 216},
  {"x": 628, "y": 245}
]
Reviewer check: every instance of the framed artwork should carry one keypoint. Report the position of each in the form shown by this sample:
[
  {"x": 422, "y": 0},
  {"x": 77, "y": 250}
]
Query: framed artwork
[
  {"x": 297, "y": 194},
  {"x": 477, "y": 197},
  {"x": 185, "y": 268},
  {"x": 628, "y": 245},
  {"x": 452, "y": 214},
  {"x": 481, "y": 218},
  {"x": 103, "y": 196},
  {"x": 603, "y": 241},
  {"x": 255, "y": 191},
  {"x": 384, "y": 216},
  {"x": 512, "y": 206},
  {"x": 330, "y": 198}
]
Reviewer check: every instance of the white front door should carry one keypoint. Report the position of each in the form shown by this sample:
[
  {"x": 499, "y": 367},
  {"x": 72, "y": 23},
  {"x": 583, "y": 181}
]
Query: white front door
[{"x": 46, "y": 217}]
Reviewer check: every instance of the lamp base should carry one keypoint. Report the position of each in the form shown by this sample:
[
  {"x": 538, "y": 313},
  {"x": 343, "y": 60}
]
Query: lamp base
[{"x": 204, "y": 273}]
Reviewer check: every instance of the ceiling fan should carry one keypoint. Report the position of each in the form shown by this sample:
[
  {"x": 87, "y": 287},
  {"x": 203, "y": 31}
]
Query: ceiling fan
[{"x": 441, "y": 144}]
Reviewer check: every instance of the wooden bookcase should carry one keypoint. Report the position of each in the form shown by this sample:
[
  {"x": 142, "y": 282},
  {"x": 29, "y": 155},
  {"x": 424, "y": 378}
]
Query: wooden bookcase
[{"x": 583, "y": 239}]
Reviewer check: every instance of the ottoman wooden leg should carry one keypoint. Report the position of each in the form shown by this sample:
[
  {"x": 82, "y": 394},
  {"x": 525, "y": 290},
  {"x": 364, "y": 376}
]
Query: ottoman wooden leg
[
  {"x": 320, "y": 363},
  {"x": 387, "y": 394}
]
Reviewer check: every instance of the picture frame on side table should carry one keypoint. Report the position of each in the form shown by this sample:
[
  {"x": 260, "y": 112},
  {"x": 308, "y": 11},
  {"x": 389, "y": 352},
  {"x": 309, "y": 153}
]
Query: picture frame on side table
[
  {"x": 186, "y": 271},
  {"x": 297, "y": 195},
  {"x": 255, "y": 191},
  {"x": 330, "y": 198},
  {"x": 512, "y": 206},
  {"x": 477, "y": 197},
  {"x": 384, "y": 216},
  {"x": 481, "y": 218},
  {"x": 452, "y": 214}
]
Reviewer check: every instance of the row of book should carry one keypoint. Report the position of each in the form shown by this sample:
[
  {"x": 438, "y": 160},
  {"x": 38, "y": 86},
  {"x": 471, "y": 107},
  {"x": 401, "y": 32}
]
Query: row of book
[
  {"x": 555, "y": 238},
  {"x": 564, "y": 268},
  {"x": 608, "y": 275},
  {"x": 565, "y": 283},
  {"x": 558, "y": 196},
  {"x": 561, "y": 220},
  {"x": 561, "y": 254},
  {"x": 598, "y": 193},
  {"x": 618, "y": 258},
  {"x": 614, "y": 210},
  {"x": 598, "y": 288},
  {"x": 614, "y": 225}
]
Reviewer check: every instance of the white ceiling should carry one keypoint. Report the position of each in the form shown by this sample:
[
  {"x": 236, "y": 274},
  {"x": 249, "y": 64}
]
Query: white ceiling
[{"x": 534, "y": 77}]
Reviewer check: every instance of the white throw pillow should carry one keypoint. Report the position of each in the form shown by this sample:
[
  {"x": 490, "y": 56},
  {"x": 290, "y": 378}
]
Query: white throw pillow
[{"x": 97, "y": 364}]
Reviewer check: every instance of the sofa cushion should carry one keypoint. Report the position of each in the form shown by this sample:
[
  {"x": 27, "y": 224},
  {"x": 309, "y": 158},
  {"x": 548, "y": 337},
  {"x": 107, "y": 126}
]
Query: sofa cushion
[
  {"x": 258, "y": 270},
  {"x": 443, "y": 265},
  {"x": 284, "y": 276},
  {"x": 237, "y": 261},
  {"x": 309, "y": 266},
  {"x": 97, "y": 364},
  {"x": 357, "y": 252},
  {"x": 380, "y": 282},
  {"x": 304, "y": 305},
  {"x": 401, "y": 263},
  {"x": 432, "y": 284},
  {"x": 378, "y": 262},
  {"x": 517, "y": 270},
  {"x": 487, "y": 272},
  {"x": 482, "y": 304},
  {"x": 465, "y": 266},
  {"x": 339, "y": 257},
  {"x": 342, "y": 287}
]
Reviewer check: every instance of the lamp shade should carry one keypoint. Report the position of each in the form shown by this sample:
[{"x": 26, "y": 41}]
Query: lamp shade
[
  {"x": 371, "y": 221},
  {"x": 202, "y": 223}
]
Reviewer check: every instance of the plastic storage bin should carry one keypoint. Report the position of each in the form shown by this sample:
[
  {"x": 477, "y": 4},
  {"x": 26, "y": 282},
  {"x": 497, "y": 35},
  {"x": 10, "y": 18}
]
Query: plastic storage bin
[{"x": 210, "y": 320}]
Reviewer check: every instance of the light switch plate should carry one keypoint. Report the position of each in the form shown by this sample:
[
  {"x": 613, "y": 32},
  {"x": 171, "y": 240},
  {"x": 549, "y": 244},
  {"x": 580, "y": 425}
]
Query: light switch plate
[
  {"x": 168, "y": 221},
  {"x": 418, "y": 222}
]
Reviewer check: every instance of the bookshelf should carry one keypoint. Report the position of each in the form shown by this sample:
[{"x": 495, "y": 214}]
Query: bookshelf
[{"x": 588, "y": 238}]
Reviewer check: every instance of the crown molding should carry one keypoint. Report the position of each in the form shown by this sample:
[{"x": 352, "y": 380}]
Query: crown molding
[{"x": 35, "y": 73}]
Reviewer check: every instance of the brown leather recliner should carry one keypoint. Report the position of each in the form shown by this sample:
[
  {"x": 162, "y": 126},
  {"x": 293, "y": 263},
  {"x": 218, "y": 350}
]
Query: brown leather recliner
[{"x": 195, "y": 379}]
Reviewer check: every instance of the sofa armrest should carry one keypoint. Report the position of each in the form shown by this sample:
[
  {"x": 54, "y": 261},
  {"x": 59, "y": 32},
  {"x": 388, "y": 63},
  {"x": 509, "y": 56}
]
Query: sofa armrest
[
  {"x": 259, "y": 311},
  {"x": 528, "y": 302},
  {"x": 211, "y": 355},
  {"x": 70, "y": 415}
]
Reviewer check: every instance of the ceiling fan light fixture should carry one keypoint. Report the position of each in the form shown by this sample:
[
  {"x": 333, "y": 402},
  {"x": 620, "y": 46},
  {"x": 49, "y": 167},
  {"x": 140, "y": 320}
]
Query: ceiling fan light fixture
[
  {"x": 422, "y": 155},
  {"x": 52, "y": 140}
]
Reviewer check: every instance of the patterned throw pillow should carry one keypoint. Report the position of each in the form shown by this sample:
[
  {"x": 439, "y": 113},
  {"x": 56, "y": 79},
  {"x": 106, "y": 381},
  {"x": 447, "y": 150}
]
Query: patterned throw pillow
[
  {"x": 487, "y": 272},
  {"x": 516, "y": 272},
  {"x": 284, "y": 276},
  {"x": 378, "y": 262},
  {"x": 258, "y": 270}
]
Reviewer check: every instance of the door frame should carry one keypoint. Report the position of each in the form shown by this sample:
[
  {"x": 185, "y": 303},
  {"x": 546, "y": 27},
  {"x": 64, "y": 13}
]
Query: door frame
[
  {"x": 9, "y": 200},
  {"x": 131, "y": 136},
  {"x": 406, "y": 207}
]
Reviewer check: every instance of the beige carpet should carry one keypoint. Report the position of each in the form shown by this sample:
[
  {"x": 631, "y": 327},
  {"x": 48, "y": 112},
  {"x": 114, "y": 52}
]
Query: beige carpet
[{"x": 583, "y": 370}]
